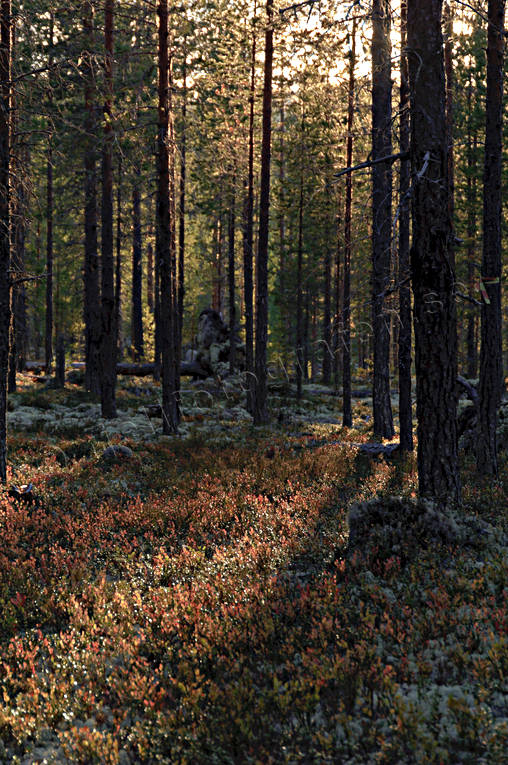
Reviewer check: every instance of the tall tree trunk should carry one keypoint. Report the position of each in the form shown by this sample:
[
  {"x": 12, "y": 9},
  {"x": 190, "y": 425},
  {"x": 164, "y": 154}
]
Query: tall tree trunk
[
  {"x": 327, "y": 278},
  {"x": 338, "y": 300},
  {"x": 217, "y": 292},
  {"x": 347, "y": 415},
  {"x": 231, "y": 275},
  {"x": 405, "y": 407},
  {"x": 306, "y": 316},
  {"x": 18, "y": 316},
  {"x": 21, "y": 338},
  {"x": 432, "y": 258},
  {"x": 48, "y": 343},
  {"x": 166, "y": 226},
  {"x": 149, "y": 276},
  {"x": 381, "y": 214},
  {"x": 282, "y": 228},
  {"x": 118, "y": 263},
  {"x": 108, "y": 329},
  {"x": 5, "y": 221},
  {"x": 491, "y": 350},
  {"x": 261, "y": 390},
  {"x": 181, "y": 224},
  {"x": 300, "y": 360},
  {"x": 248, "y": 235},
  {"x": 472, "y": 346},
  {"x": 448, "y": 61},
  {"x": 157, "y": 309},
  {"x": 92, "y": 316},
  {"x": 137, "y": 274}
]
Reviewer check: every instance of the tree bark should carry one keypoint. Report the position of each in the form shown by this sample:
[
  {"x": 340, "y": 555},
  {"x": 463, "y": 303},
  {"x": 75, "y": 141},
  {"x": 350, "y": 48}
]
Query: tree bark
[
  {"x": 327, "y": 308},
  {"x": 137, "y": 275},
  {"x": 181, "y": 224},
  {"x": 91, "y": 308},
  {"x": 231, "y": 275},
  {"x": 48, "y": 339},
  {"x": 491, "y": 351},
  {"x": 347, "y": 414},
  {"x": 381, "y": 214},
  {"x": 448, "y": 60},
  {"x": 432, "y": 259},
  {"x": 166, "y": 226},
  {"x": 149, "y": 276},
  {"x": 404, "y": 360},
  {"x": 471, "y": 199},
  {"x": 108, "y": 329},
  {"x": 248, "y": 235},
  {"x": 300, "y": 360},
  {"x": 118, "y": 263},
  {"x": 261, "y": 390},
  {"x": 5, "y": 221}
]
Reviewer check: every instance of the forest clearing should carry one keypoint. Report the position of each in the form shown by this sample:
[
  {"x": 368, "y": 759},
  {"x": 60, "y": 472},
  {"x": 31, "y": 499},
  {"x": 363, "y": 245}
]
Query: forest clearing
[{"x": 253, "y": 392}]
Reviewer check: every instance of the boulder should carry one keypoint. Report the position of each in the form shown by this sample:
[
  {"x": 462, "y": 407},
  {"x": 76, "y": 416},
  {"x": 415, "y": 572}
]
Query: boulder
[
  {"x": 116, "y": 452},
  {"x": 211, "y": 329}
]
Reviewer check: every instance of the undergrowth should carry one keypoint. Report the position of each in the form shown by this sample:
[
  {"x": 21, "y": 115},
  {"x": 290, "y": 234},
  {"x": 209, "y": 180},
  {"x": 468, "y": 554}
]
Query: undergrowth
[{"x": 194, "y": 605}]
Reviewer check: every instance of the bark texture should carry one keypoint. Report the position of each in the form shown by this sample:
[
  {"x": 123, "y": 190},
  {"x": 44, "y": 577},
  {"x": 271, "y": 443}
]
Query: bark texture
[
  {"x": 261, "y": 388},
  {"x": 432, "y": 260},
  {"x": 166, "y": 228},
  {"x": 91, "y": 308},
  {"x": 404, "y": 341},
  {"x": 248, "y": 236},
  {"x": 108, "y": 349},
  {"x": 491, "y": 358},
  {"x": 137, "y": 274},
  {"x": 5, "y": 220},
  {"x": 381, "y": 214},
  {"x": 347, "y": 416}
]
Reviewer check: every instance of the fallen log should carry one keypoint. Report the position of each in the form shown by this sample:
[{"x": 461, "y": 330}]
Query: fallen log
[
  {"x": 187, "y": 369},
  {"x": 193, "y": 369},
  {"x": 136, "y": 370}
]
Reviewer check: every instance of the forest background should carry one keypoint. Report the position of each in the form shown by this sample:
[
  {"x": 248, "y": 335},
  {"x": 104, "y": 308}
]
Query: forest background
[{"x": 217, "y": 59}]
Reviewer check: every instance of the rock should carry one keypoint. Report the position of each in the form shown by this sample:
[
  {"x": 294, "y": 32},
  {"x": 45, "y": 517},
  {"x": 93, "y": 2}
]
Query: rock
[
  {"x": 375, "y": 450},
  {"x": 76, "y": 377},
  {"x": 211, "y": 328},
  {"x": 116, "y": 452},
  {"x": 395, "y": 526}
]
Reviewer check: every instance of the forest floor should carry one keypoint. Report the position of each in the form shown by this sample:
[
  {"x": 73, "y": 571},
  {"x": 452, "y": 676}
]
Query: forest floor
[{"x": 193, "y": 602}]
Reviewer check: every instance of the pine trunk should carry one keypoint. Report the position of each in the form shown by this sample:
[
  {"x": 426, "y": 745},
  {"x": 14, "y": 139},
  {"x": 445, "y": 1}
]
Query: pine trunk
[
  {"x": 347, "y": 414},
  {"x": 92, "y": 317},
  {"x": 404, "y": 344},
  {"x": 181, "y": 224},
  {"x": 261, "y": 390},
  {"x": 248, "y": 236},
  {"x": 118, "y": 263},
  {"x": 108, "y": 329},
  {"x": 231, "y": 276},
  {"x": 137, "y": 274},
  {"x": 165, "y": 227},
  {"x": 5, "y": 221},
  {"x": 448, "y": 61},
  {"x": 491, "y": 352},
  {"x": 48, "y": 339},
  {"x": 381, "y": 214},
  {"x": 432, "y": 258},
  {"x": 300, "y": 360}
]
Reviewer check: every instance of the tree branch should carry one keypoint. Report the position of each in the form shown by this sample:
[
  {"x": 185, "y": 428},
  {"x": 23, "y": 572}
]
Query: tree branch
[{"x": 372, "y": 162}]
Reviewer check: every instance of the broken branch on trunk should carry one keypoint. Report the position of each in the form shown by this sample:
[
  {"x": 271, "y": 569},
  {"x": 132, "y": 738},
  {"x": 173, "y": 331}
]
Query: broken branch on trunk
[{"x": 371, "y": 162}]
